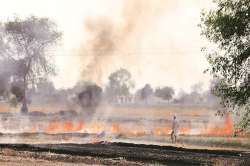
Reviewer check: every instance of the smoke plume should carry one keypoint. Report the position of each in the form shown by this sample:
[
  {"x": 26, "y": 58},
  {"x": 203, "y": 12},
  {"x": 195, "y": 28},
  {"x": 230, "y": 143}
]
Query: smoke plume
[{"x": 110, "y": 40}]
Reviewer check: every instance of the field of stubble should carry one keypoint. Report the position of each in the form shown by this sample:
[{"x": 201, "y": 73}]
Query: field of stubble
[{"x": 138, "y": 125}]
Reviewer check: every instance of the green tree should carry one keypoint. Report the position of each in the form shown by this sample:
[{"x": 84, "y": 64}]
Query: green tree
[
  {"x": 120, "y": 83},
  {"x": 228, "y": 27},
  {"x": 166, "y": 93},
  {"x": 146, "y": 92},
  {"x": 26, "y": 43}
]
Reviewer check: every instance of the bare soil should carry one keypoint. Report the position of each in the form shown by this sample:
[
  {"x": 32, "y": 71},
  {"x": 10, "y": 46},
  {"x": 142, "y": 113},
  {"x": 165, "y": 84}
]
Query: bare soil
[{"x": 104, "y": 153}]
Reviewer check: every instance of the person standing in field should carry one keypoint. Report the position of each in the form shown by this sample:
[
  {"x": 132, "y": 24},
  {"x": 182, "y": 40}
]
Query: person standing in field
[{"x": 175, "y": 127}]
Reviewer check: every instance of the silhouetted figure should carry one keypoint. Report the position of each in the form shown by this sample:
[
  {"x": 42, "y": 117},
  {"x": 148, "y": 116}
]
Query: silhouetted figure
[{"x": 174, "y": 132}]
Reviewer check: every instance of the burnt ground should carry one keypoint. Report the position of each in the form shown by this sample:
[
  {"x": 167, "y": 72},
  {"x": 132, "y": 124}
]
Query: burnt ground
[{"x": 104, "y": 153}]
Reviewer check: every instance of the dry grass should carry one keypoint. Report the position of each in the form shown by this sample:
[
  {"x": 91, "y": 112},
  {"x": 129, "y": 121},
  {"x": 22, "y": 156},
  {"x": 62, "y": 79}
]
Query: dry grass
[
  {"x": 7, "y": 108},
  {"x": 158, "y": 112},
  {"x": 145, "y": 120},
  {"x": 44, "y": 109}
]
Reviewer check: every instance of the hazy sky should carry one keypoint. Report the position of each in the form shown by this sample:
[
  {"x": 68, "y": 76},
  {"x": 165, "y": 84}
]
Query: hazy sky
[{"x": 163, "y": 47}]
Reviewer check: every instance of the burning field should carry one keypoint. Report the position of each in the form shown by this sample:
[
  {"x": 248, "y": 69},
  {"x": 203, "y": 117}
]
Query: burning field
[
  {"x": 121, "y": 122},
  {"x": 71, "y": 136},
  {"x": 124, "y": 82}
]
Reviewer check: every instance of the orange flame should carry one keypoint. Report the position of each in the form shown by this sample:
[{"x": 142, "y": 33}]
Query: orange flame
[
  {"x": 115, "y": 129},
  {"x": 79, "y": 126},
  {"x": 185, "y": 131},
  {"x": 136, "y": 133},
  {"x": 226, "y": 130},
  {"x": 69, "y": 126},
  {"x": 53, "y": 127},
  {"x": 161, "y": 131}
]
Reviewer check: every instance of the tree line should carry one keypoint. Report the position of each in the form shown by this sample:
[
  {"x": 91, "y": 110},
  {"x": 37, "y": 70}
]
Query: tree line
[
  {"x": 26, "y": 63},
  {"x": 24, "y": 55},
  {"x": 227, "y": 27},
  {"x": 25, "y": 59}
]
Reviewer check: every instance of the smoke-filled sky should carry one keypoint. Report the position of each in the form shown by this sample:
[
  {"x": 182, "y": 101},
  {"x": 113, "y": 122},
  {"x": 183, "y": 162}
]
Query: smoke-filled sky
[{"x": 158, "y": 41}]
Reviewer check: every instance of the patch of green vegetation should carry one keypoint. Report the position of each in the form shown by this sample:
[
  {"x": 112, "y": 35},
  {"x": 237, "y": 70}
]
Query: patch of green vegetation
[
  {"x": 233, "y": 142},
  {"x": 156, "y": 164}
]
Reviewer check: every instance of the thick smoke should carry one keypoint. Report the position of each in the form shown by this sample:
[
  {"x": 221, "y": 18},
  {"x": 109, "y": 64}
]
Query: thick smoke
[
  {"x": 110, "y": 40},
  {"x": 9, "y": 84}
]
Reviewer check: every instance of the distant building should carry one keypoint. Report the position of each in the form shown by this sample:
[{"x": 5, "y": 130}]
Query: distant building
[{"x": 130, "y": 99}]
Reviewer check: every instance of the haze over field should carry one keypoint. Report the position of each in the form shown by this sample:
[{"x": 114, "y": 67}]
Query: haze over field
[
  {"x": 157, "y": 41},
  {"x": 125, "y": 82}
]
